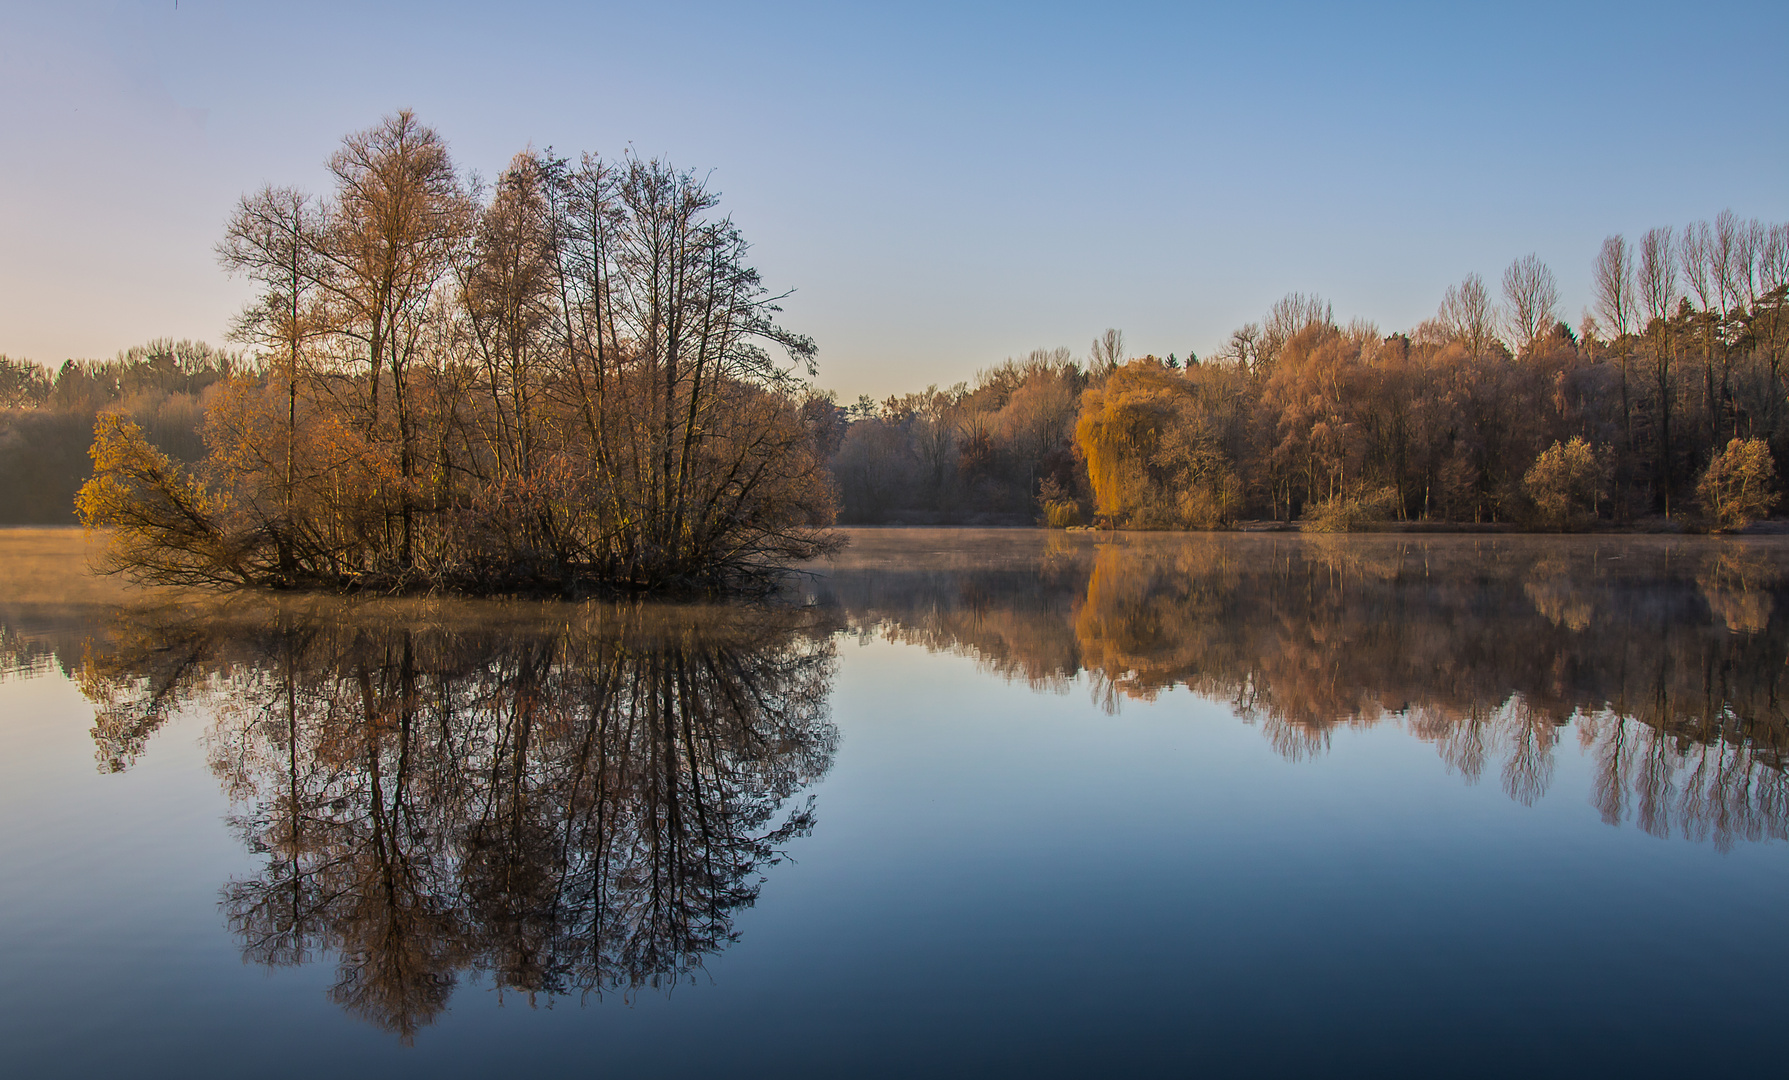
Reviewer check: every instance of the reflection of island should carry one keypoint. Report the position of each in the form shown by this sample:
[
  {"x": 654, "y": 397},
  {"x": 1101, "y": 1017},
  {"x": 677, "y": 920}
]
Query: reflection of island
[
  {"x": 1669, "y": 654},
  {"x": 572, "y": 800}
]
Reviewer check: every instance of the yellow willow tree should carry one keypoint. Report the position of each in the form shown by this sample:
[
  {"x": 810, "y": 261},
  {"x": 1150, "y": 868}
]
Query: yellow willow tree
[
  {"x": 1153, "y": 456},
  {"x": 565, "y": 386}
]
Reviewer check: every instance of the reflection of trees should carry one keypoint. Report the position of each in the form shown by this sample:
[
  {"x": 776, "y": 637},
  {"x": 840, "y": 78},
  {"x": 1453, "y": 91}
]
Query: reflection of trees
[
  {"x": 570, "y": 806},
  {"x": 1736, "y": 583},
  {"x": 1014, "y": 616},
  {"x": 1668, "y": 655}
]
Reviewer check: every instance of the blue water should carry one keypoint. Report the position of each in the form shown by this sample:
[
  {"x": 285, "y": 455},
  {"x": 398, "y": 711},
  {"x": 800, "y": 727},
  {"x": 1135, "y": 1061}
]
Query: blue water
[{"x": 1004, "y": 876}]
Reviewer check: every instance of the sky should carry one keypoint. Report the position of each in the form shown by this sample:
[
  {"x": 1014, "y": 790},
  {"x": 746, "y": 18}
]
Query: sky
[{"x": 943, "y": 185}]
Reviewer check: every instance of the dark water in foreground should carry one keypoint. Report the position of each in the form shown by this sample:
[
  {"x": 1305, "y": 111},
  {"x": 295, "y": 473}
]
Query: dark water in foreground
[{"x": 979, "y": 803}]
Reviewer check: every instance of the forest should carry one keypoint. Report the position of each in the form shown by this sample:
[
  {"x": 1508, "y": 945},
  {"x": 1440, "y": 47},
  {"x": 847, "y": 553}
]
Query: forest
[
  {"x": 1664, "y": 406},
  {"x": 572, "y": 379}
]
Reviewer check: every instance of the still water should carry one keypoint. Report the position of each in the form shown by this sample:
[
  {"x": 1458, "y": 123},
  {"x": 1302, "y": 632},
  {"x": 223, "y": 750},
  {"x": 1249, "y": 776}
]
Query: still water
[{"x": 963, "y": 803}]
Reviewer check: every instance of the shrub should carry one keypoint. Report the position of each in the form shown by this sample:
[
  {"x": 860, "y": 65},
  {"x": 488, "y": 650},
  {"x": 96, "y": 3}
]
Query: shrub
[
  {"x": 1061, "y": 511},
  {"x": 1062, "y": 514},
  {"x": 1209, "y": 502},
  {"x": 1350, "y": 513},
  {"x": 1740, "y": 484},
  {"x": 1567, "y": 482}
]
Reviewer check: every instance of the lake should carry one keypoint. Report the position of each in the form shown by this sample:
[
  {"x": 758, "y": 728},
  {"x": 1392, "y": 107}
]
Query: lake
[{"x": 962, "y": 802}]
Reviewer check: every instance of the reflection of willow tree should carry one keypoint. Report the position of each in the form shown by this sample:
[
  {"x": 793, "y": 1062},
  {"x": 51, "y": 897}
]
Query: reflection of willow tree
[
  {"x": 571, "y": 808},
  {"x": 1668, "y": 656}
]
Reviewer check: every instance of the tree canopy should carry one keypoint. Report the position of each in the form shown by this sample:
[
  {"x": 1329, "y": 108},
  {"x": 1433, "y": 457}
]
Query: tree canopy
[{"x": 569, "y": 381}]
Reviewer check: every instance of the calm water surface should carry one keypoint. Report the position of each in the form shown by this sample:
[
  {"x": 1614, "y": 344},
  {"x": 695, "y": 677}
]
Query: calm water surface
[{"x": 967, "y": 803}]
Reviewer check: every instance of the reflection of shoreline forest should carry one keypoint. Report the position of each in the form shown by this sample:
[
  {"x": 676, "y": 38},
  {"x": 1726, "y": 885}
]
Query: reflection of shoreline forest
[
  {"x": 568, "y": 802},
  {"x": 1667, "y": 656}
]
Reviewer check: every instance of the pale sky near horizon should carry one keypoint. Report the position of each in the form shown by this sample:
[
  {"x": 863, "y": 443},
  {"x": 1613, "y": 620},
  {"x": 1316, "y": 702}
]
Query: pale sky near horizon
[{"x": 944, "y": 185}]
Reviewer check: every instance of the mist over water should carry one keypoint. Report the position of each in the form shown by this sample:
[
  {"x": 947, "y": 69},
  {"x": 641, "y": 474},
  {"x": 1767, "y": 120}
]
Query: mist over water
[{"x": 958, "y": 802}]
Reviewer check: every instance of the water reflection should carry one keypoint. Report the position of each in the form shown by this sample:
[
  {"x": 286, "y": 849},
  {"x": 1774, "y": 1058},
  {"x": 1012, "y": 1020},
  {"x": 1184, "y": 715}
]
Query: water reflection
[
  {"x": 569, "y": 800},
  {"x": 577, "y": 800},
  {"x": 1664, "y": 658}
]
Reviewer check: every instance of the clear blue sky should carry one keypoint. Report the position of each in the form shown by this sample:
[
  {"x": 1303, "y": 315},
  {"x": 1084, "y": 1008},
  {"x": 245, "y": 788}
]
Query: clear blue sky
[{"x": 945, "y": 185}]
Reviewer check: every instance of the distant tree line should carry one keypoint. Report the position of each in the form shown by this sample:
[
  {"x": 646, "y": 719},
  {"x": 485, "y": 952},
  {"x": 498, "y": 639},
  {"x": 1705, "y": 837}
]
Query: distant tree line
[
  {"x": 967, "y": 454},
  {"x": 47, "y": 417},
  {"x": 1667, "y": 401}
]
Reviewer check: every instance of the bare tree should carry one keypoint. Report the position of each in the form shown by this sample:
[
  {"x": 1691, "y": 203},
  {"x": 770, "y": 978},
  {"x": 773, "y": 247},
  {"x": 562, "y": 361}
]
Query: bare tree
[
  {"x": 1289, "y": 315},
  {"x": 1702, "y": 258},
  {"x": 273, "y": 238},
  {"x": 1244, "y": 347},
  {"x": 1773, "y": 258},
  {"x": 1615, "y": 301},
  {"x": 398, "y": 210},
  {"x": 1697, "y": 259},
  {"x": 1727, "y": 259},
  {"x": 398, "y": 216},
  {"x": 1531, "y": 300},
  {"x": 1748, "y": 250},
  {"x": 1730, "y": 265},
  {"x": 934, "y": 433},
  {"x": 1466, "y": 314},
  {"x": 1658, "y": 273},
  {"x": 1615, "y": 285},
  {"x": 1768, "y": 258},
  {"x": 1106, "y": 353},
  {"x": 1658, "y": 294},
  {"x": 507, "y": 289}
]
